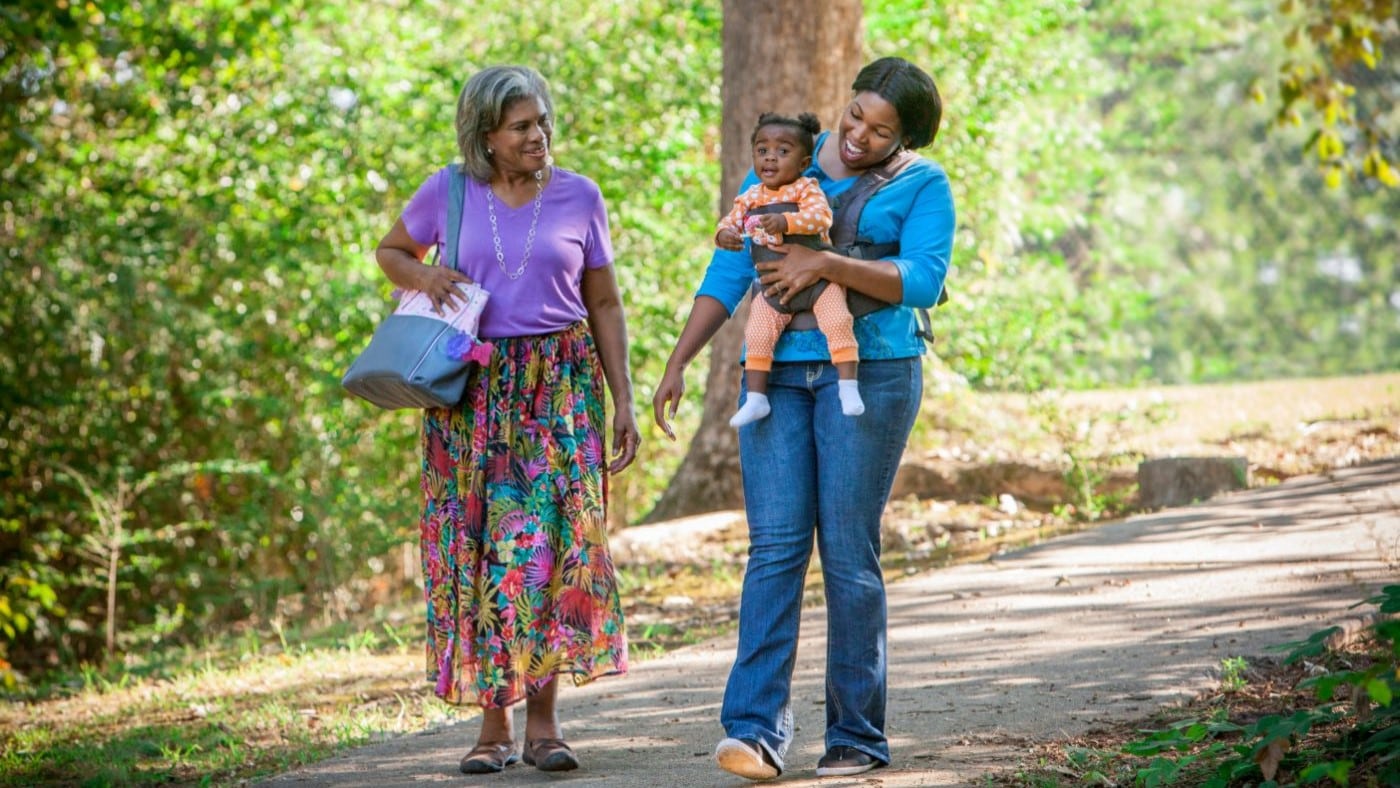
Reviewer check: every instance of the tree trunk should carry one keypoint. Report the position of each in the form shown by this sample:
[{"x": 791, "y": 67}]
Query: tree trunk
[{"x": 791, "y": 57}]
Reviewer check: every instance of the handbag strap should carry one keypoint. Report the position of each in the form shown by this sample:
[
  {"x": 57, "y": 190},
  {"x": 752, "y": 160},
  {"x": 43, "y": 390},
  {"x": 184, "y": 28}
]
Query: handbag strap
[{"x": 456, "y": 194}]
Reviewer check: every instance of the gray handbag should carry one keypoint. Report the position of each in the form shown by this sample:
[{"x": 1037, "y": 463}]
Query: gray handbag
[{"x": 416, "y": 357}]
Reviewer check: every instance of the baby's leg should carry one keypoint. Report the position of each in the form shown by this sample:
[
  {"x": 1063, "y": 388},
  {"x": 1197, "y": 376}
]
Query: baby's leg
[
  {"x": 761, "y": 334},
  {"x": 838, "y": 326}
]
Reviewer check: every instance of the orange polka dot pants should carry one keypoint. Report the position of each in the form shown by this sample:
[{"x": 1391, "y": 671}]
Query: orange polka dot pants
[{"x": 834, "y": 320}]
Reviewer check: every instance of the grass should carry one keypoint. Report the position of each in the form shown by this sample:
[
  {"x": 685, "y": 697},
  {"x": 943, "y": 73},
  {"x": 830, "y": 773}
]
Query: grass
[
  {"x": 210, "y": 719},
  {"x": 254, "y": 703}
]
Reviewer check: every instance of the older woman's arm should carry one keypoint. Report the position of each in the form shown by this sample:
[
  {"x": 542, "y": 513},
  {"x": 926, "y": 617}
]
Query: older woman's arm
[
  {"x": 609, "y": 326},
  {"x": 401, "y": 259}
]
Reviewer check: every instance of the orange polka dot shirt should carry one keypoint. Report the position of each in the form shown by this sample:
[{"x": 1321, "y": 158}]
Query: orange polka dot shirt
[{"x": 812, "y": 217}]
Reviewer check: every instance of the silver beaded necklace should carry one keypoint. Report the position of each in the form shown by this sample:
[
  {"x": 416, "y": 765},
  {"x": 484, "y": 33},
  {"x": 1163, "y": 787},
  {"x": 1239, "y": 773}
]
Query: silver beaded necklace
[{"x": 529, "y": 238}]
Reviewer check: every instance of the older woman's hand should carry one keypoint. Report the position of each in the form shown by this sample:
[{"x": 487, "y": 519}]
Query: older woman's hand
[
  {"x": 626, "y": 439},
  {"x": 440, "y": 284},
  {"x": 798, "y": 268},
  {"x": 401, "y": 257}
]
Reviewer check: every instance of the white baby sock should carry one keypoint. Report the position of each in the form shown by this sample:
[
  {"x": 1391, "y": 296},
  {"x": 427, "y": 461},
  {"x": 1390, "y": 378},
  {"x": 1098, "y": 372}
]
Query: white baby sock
[
  {"x": 755, "y": 407},
  {"x": 851, "y": 403}
]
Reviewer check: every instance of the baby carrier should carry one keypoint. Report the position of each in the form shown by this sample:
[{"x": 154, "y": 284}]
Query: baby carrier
[{"x": 845, "y": 214}]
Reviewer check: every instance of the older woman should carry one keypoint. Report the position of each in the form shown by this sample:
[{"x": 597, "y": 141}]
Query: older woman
[
  {"x": 519, "y": 583},
  {"x": 807, "y": 468}
]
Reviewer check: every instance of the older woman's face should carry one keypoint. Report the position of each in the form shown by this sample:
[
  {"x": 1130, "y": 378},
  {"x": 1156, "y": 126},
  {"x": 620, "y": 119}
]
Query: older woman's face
[
  {"x": 521, "y": 142},
  {"x": 869, "y": 131}
]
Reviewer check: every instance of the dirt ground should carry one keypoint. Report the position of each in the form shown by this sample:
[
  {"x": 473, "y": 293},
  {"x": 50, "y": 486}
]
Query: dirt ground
[
  {"x": 1030, "y": 642},
  {"x": 999, "y": 664},
  {"x": 989, "y": 445}
]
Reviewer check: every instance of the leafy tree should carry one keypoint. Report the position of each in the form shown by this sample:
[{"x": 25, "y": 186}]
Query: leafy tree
[
  {"x": 192, "y": 192},
  {"x": 1341, "y": 76},
  {"x": 195, "y": 195},
  {"x": 1247, "y": 265}
]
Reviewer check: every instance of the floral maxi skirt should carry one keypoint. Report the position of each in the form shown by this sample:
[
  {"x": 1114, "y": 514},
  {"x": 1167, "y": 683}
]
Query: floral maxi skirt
[{"x": 518, "y": 579}]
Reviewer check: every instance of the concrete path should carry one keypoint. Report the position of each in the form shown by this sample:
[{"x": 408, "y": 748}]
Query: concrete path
[{"x": 987, "y": 659}]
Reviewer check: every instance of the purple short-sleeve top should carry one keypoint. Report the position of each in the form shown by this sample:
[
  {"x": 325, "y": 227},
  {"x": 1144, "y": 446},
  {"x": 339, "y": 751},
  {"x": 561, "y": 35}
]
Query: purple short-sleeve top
[{"x": 571, "y": 234}]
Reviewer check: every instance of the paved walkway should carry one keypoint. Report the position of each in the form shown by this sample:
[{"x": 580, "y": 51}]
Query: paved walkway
[{"x": 987, "y": 659}]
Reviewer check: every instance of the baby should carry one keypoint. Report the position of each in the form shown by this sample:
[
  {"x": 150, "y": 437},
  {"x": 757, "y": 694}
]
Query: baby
[{"x": 782, "y": 151}]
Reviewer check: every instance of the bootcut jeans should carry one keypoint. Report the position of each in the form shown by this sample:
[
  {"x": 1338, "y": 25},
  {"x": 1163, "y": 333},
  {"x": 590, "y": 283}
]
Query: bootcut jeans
[{"x": 809, "y": 468}]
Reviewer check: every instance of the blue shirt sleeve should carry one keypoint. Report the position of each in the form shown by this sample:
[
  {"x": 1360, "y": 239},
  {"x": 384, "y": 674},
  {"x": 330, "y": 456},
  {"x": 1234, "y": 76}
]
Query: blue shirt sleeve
[
  {"x": 730, "y": 274},
  {"x": 915, "y": 209},
  {"x": 925, "y": 236}
]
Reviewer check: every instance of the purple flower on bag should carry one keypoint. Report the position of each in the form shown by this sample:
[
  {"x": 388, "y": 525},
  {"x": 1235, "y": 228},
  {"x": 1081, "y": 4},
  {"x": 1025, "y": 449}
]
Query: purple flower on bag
[
  {"x": 458, "y": 345},
  {"x": 465, "y": 347}
]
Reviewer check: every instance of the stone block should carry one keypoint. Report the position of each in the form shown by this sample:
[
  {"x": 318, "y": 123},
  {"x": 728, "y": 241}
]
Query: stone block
[{"x": 1175, "y": 481}]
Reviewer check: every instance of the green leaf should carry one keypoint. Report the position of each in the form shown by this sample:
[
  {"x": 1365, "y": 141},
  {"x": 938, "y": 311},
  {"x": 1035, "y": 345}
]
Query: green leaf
[
  {"x": 1380, "y": 691},
  {"x": 1314, "y": 645}
]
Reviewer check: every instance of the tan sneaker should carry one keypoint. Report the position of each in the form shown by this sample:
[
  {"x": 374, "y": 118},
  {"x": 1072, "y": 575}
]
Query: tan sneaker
[{"x": 746, "y": 759}]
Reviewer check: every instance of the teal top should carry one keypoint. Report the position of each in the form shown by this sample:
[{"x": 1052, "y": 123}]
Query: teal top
[{"x": 915, "y": 209}]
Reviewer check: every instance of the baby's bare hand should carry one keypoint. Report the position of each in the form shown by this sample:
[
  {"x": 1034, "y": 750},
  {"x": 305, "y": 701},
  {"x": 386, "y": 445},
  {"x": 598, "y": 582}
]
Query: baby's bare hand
[
  {"x": 729, "y": 238},
  {"x": 773, "y": 223}
]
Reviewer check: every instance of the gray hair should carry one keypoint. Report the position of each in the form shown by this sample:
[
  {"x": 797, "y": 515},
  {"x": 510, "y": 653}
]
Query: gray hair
[{"x": 482, "y": 105}]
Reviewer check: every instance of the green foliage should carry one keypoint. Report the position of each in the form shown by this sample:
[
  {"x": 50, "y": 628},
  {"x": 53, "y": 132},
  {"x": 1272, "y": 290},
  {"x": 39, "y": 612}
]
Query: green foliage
[
  {"x": 1339, "y": 76},
  {"x": 219, "y": 174},
  {"x": 183, "y": 318},
  {"x": 1248, "y": 266},
  {"x": 1232, "y": 669},
  {"x": 193, "y": 190},
  {"x": 1357, "y": 705}
]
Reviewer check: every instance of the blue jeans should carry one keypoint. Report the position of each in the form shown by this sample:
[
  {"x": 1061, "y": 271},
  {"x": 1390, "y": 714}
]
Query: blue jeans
[{"x": 808, "y": 468}]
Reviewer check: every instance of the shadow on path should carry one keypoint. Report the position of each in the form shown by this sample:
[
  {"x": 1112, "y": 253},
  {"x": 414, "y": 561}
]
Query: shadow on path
[{"x": 1033, "y": 645}]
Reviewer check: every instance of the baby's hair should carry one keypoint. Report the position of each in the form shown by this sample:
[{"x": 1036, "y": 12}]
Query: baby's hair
[{"x": 806, "y": 125}]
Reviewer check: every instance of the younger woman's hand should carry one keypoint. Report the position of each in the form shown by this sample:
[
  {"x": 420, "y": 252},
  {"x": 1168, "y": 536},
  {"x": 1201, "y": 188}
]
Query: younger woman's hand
[
  {"x": 797, "y": 268},
  {"x": 667, "y": 398}
]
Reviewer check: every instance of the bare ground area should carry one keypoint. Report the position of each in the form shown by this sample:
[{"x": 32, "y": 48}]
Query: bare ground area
[
  {"x": 948, "y": 507},
  {"x": 1028, "y": 448},
  {"x": 1015, "y": 471},
  {"x": 1001, "y": 669}
]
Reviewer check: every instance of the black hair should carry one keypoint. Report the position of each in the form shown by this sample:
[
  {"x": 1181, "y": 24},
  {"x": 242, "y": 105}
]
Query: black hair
[
  {"x": 911, "y": 91},
  {"x": 806, "y": 125}
]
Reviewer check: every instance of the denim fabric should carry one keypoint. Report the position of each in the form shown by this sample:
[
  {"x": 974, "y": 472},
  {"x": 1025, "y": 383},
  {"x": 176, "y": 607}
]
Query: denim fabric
[{"x": 810, "y": 469}]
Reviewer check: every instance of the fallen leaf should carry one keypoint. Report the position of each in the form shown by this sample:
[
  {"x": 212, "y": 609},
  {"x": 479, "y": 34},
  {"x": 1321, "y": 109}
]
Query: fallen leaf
[{"x": 1269, "y": 758}]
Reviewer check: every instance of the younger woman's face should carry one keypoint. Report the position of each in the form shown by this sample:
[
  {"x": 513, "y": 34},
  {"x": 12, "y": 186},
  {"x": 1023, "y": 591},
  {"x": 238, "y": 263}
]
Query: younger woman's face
[
  {"x": 778, "y": 158},
  {"x": 869, "y": 131}
]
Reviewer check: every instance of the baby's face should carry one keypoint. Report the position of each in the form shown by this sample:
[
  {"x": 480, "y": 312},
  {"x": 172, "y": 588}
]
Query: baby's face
[{"x": 778, "y": 158}]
